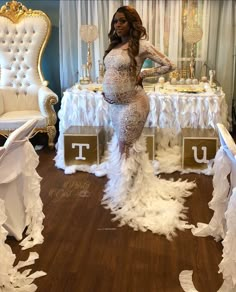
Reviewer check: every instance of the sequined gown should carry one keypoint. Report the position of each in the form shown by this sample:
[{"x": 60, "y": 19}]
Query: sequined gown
[
  {"x": 133, "y": 194},
  {"x": 131, "y": 102}
]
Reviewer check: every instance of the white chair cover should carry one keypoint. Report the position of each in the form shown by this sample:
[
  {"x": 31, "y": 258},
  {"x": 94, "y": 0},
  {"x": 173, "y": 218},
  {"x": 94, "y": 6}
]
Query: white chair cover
[
  {"x": 20, "y": 187},
  {"x": 223, "y": 223},
  {"x": 11, "y": 279}
]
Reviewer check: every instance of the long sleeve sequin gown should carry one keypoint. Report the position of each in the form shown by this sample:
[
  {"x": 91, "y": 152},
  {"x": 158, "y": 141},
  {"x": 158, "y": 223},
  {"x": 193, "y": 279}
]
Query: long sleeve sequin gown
[
  {"x": 131, "y": 102},
  {"x": 133, "y": 194}
]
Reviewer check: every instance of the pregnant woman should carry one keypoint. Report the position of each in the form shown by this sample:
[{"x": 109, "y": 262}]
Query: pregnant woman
[{"x": 133, "y": 194}]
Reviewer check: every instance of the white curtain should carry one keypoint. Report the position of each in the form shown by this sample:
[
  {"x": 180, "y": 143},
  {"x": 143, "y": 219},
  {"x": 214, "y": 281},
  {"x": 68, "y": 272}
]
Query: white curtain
[
  {"x": 218, "y": 44},
  {"x": 163, "y": 20},
  {"x": 68, "y": 38}
]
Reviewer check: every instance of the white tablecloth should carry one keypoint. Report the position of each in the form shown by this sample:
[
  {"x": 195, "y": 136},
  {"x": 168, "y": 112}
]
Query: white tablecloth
[{"x": 172, "y": 111}]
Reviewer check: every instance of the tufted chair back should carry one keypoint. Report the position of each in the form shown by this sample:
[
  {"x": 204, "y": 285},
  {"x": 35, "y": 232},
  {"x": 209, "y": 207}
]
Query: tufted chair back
[{"x": 24, "y": 94}]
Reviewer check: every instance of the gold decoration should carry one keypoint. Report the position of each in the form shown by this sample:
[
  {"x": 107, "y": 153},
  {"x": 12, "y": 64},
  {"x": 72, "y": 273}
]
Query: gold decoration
[
  {"x": 89, "y": 33},
  {"x": 101, "y": 72},
  {"x": 83, "y": 145},
  {"x": 192, "y": 34},
  {"x": 51, "y": 131},
  {"x": 179, "y": 73},
  {"x": 150, "y": 135},
  {"x": 14, "y": 10},
  {"x": 199, "y": 146},
  {"x": 174, "y": 74}
]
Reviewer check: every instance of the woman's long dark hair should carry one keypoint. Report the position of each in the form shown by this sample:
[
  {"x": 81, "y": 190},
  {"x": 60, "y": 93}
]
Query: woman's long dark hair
[{"x": 137, "y": 32}]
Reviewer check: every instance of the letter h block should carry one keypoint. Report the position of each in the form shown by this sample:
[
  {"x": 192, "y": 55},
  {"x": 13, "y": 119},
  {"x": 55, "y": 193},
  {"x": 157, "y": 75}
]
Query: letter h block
[
  {"x": 83, "y": 145},
  {"x": 198, "y": 147}
]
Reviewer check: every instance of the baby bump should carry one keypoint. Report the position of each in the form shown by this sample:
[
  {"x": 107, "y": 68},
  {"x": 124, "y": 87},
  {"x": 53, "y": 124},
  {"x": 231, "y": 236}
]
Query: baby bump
[
  {"x": 119, "y": 88},
  {"x": 128, "y": 120}
]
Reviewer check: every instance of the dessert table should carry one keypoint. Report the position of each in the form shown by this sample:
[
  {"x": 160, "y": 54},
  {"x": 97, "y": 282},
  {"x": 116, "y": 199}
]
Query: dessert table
[{"x": 171, "y": 110}]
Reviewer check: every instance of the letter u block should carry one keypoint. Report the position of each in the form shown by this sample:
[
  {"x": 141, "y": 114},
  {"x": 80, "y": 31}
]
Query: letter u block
[
  {"x": 198, "y": 147},
  {"x": 83, "y": 145}
]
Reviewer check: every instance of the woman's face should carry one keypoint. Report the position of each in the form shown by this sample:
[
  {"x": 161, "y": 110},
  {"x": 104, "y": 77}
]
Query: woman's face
[{"x": 121, "y": 25}]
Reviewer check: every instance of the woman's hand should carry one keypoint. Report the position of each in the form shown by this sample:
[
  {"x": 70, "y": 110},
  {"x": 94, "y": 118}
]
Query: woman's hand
[
  {"x": 107, "y": 99},
  {"x": 139, "y": 81}
]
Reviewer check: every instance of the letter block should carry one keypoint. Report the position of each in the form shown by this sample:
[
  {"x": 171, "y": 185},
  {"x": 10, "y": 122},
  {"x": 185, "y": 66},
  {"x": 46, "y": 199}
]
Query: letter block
[
  {"x": 83, "y": 145},
  {"x": 150, "y": 135},
  {"x": 198, "y": 147}
]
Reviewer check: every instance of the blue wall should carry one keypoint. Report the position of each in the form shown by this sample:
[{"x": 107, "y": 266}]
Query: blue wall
[{"x": 50, "y": 61}]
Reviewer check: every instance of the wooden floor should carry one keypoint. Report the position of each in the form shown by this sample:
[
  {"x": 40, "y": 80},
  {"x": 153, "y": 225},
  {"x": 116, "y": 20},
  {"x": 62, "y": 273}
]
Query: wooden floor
[{"x": 84, "y": 251}]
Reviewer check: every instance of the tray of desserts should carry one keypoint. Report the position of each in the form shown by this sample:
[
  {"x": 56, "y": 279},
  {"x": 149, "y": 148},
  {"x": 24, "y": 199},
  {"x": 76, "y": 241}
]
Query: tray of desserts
[
  {"x": 92, "y": 87},
  {"x": 186, "y": 88}
]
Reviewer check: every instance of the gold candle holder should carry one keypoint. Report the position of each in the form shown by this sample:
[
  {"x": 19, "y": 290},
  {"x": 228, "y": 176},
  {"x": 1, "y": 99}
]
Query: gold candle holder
[{"x": 89, "y": 33}]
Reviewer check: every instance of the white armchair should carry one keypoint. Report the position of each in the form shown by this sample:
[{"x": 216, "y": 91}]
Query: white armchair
[{"x": 24, "y": 94}]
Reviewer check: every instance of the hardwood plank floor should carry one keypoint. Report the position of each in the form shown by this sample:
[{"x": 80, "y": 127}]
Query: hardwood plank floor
[{"x": 84, "y": 251}]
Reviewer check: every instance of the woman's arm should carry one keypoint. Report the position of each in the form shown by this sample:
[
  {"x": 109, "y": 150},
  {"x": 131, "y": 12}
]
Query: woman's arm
[{"x": 164, "y": 65}]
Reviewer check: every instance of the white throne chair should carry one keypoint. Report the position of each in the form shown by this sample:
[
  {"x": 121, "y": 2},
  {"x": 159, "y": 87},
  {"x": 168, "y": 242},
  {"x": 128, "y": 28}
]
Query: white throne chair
[{"x": 24, "y": 94}]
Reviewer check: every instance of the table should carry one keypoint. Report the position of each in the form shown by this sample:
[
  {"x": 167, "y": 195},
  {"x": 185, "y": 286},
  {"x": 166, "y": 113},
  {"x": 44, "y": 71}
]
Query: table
[{"x": 169, "y": 113}]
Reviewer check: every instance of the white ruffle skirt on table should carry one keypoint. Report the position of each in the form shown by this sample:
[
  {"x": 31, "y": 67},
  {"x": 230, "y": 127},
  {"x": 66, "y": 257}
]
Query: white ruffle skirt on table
[{"x": 171, "y": 112}]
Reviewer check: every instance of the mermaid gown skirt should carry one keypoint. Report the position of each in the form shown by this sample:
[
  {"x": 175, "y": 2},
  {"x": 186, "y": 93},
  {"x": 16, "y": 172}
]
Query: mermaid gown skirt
[{"x": 135, "y": 196}]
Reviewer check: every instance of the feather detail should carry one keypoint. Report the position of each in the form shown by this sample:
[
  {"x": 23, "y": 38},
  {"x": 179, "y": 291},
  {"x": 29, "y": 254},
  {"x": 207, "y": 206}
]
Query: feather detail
[
  {"x": 141, "y": 200},
  {"x": 186, "y": 281}
]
